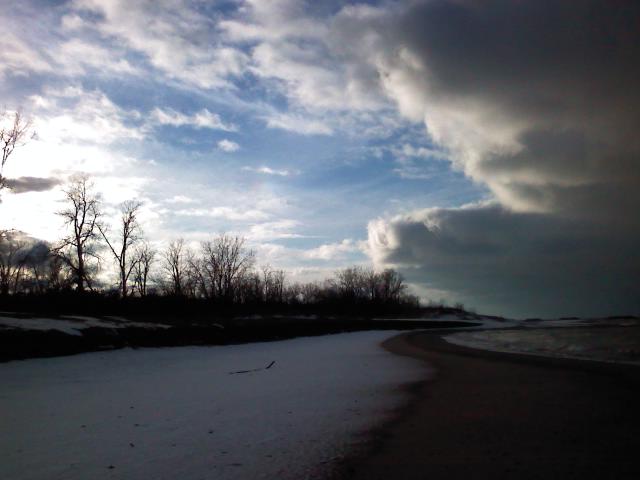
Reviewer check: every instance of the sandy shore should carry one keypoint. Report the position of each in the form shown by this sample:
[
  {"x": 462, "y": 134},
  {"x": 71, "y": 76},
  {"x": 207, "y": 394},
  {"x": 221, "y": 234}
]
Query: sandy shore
[{"x": 498, "y": 415}]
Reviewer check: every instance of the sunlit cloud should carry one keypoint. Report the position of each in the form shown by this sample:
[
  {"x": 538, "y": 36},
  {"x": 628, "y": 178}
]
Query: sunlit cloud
[
  {"x": 202, "y": 119},
  {"x": 228, "y": 146},
  {"x": 298, "y": 124},
  {"x": 268, "y": 171},
  {"x": 228, "y": 213},
  {"x": 333, "y": 251}
]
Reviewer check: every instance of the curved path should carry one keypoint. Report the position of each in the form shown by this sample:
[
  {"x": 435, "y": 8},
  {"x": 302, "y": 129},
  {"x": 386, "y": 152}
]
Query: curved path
[{"x": 491, "y": 415}]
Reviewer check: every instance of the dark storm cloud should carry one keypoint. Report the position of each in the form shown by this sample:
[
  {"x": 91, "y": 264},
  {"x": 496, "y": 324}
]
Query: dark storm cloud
[
  {"x": 535, "y": 97},
  {"x": 521, "y": 264},
  {"x": 32, "y": 184},
  {"x": 17, "y": 247},
  {"x": 539, "y": 101}
]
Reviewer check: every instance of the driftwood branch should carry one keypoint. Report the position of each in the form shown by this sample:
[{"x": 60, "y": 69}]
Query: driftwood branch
[{"x": 255, "y": 369}]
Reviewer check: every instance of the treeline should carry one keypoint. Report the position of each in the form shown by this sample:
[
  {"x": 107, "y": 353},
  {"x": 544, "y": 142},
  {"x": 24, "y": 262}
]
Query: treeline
[{"x": 220, "y": 271}]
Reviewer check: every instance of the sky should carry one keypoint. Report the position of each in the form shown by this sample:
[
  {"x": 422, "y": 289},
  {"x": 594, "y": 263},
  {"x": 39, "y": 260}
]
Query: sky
[{"x": 488, "y": 150}]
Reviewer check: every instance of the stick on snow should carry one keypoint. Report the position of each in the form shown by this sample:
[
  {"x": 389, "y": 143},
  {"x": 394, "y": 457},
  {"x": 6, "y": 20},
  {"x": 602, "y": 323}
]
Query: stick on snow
[{"x": 255, "y": 369}]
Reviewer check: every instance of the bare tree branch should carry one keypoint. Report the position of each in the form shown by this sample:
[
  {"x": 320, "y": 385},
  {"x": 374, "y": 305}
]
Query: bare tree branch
[
  {"x": 174, "y": 265},
  {"x": 129, "y": 234},
  {"x": 144, "y": 259},
  {"x": 82, "y": 216},
  {"x": 12, "y": 134}
]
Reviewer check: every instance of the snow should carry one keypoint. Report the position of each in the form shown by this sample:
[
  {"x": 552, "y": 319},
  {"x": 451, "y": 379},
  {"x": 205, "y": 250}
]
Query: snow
[
  {"x": 179, "y": 413},
  {"x": 71, "y": 324},
  {"x": 112, "y": 322},
  {"x": 65, "y": 326}
]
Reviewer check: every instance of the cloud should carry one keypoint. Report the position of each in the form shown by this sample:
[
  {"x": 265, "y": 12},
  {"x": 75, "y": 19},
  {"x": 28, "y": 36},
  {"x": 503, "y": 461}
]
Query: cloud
[
  {"x": 31, "y": 184},
  {"x": 73, "y": 114},
  {"x": 176, "y": 38},
  {"x": 227, "y": 213},
  {"x": 202, "y": 119},
  {"x": 228, "y": 146},
  {"x": 268, "y": 171},
  {"x": 407, "y": 150},
  {"x": 512, "y": 96},
  {"x": 504, "y": 262},
  {"x": 310, "y": 264},
  {"x": 78, "y": 57},
  {"x": 23, "y": 247},
  {"x": 19, "y": 58},
  {"x": 273, "y": 230},
  {"x": 416, "y": 162},
  {"x": 298, "y": 124},
  {"x": 180, "y": 199},
  {"x": 283, "y": 47},
  {"x": 290, "y": 50},
  {"x": 333, "y": 251},
  {"x": 76, "y": 130},
  {"x": 541, "y": 114}
]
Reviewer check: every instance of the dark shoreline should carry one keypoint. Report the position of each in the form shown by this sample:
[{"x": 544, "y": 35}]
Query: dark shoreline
[
  {"x": 502, "y": 415},
  {"x": 18, "y": 344}
]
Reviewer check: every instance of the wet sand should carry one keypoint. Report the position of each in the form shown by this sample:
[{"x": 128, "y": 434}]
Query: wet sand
[{"x": 501, "y": 415}]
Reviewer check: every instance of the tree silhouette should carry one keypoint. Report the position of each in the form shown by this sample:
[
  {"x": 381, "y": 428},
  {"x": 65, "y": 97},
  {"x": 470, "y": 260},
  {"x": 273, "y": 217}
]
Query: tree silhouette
[
  {"x": 13, "y": 133},
  {"x": 82, "y": 216},
  {"x": 174, "y": 264},
  {"x": 226, "y": 260},
  {"x": 144, "y": 259},
  {"x": 128, "y": 236}
]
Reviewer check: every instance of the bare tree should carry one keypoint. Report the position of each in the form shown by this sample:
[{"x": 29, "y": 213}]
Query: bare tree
[
  {"x": 209, "y": 269},
  {"x": 13, "y": 133},
  {"x": 144, "y": 259},
  {"x": 360, "y": 283},
  {"x": 273, "y": 282},
  {"x": 128, "y": 236},
  {"x": 391, "y": 285},
  {"x": 83, "y": 219},
  {"x": 37, "y": 261},
  {"x": 226, "y": 260},
  {"x": 371, "y": 281},
  {"x": 60, "y": 276},
  {"x": 174, "y": 265},
  {"x": 191, "y": 277},
  {"x": 294, "y": 293},
  {"x": 252, "y": 287},
  {"x": 306, "y": 293},
  {"x": 351, "y": 283}
]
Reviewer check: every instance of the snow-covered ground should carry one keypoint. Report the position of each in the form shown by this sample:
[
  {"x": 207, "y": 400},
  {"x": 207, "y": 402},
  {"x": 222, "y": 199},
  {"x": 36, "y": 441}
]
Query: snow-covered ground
[
  {"x": 180, "y": 413},
  {"x": 618, "y": 342},
  {"x": 71, "y": 324}
]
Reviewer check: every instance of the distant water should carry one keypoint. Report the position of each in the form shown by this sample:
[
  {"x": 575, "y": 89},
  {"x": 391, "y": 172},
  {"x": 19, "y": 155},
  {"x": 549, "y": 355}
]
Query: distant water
[
  {"x": 610, "y": 344},
  {"x": 181, "y": 413}
]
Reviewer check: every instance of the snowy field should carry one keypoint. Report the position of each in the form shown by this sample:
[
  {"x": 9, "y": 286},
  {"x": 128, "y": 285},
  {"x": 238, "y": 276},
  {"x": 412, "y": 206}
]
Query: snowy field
[
  {"x": 620, "y": 344},
  {"x": 180, "y": 413}
]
